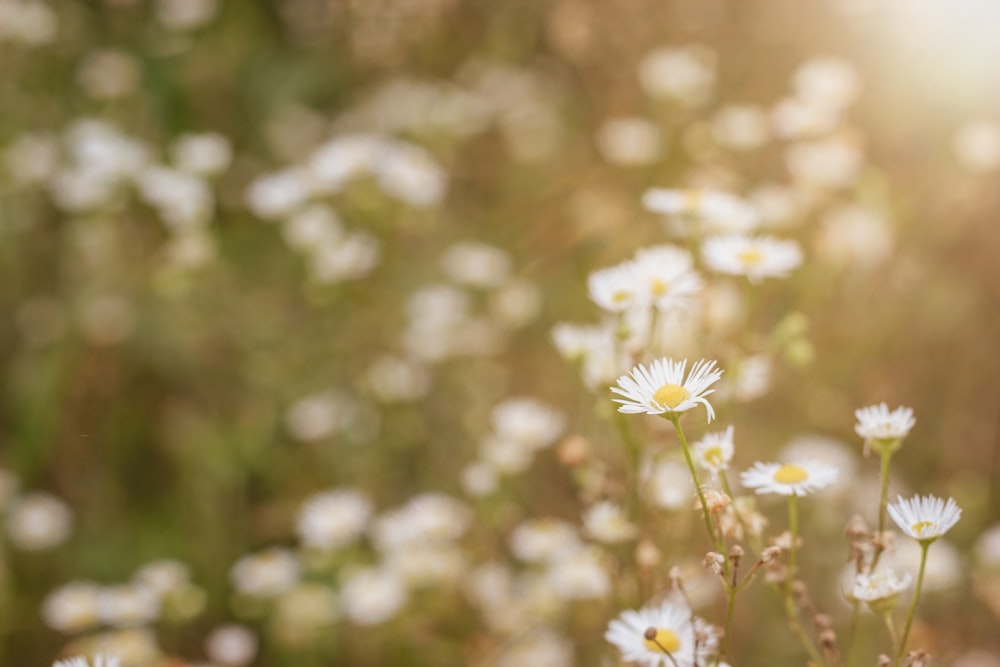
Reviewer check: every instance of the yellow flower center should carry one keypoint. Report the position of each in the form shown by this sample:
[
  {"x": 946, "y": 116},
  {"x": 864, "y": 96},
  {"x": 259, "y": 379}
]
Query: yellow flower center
[
  {"x": 713, "y": 456},
  {"x": 621, "y": 296},
  {"x": 659, "y": 288},
  {"x": 671, "y": 395},
  {"x": 662, "y": 640},
  {"x": 751, "y": 256},
  {"x": 692, "y": 200},
  {"x": 789, "y": 474},
  {"x": 920, "y": 526}
]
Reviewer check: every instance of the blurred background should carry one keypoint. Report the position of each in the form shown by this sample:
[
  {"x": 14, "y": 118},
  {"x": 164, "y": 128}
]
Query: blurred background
[{"x": 255, "y": 250}]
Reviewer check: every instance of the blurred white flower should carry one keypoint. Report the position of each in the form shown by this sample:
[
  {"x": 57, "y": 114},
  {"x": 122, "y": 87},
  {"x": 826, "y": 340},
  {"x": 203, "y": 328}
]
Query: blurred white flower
[
  {"x": 333, "y": 519},
  {"x": 714, "y": 210},
  {"x": 714, "y": 451},
  {"x": 539, "y": 648},
  {"x": 98, "y": 660},
  {"x": 304, "y": 614},
  {"x": 827, "y": 82},
  {"x": 348, "y": 258},
  {"x": 476, "y": 264},
  {"x": 528, "y": 422},
  {"x": 740, "y": 127},
  {"x": 31, "y": 159},
  {"x": 855, "y": 236},
  {"x": 318, "y": 416},
  {"x": 28, "y": 22},
  {"x": 944, "y": 569},
  {"x": 423, "y": 566},
  {"x": 825, "y": 164},
  {"x": 607, "y": 522},
  {"x": 881, "y": 589},
  {"x": 579, "y": 575},
  {"x": 397, "y": 379},
  {"x": 428, "y": 518},
  {"x": 312, "y": 227},
  {"x": 409, "y": 173},
  {"x": 185, "y": 14},
  {"x": 231, "y": 645},
  {"x": 516, "y": 303},
  {"x": 479, "y": 479},
  {"x": 372, "y": 596},
  {"x": 38, "y": 521},
  {"x": 267, "y": 573},
  {"x": 127, "y": 605},
  {"x": 162, "y": 577},
  {"x": 754, "y": 257},
  {"x": 73, "y": 607},
  {"x": 278, "y": 194},
  {"x": 976, "y": 146},
  {"x": 202, "y": 154},
  {"x": 630, "y": 141},
  {"x": 543, "y": 540},
  {"x": 671, "y": 485},
  {"x": 685, "y": 74}
]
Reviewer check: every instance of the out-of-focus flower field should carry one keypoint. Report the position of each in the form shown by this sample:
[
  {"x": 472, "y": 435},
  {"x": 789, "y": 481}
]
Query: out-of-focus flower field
[{"x": 312, "y": 310}]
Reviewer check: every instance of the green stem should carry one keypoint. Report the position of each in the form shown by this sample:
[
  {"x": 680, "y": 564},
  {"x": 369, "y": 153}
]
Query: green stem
[
  {"x": 632, "y": 452},
  {"x": 727, "y": 629},
  {"x": 886, "y": 455},
  {"x": 790, "y": 611},
  {"x": 924, "y": 546},
  {"x": 887, "y": 617},
  {"x": 712, "y": 535},
  {"x": 853, "y": 636},
  {"x": 793, "y": 530}
]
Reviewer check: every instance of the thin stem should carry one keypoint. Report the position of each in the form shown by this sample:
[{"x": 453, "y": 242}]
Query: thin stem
[
  {"x": 793, "y": 530},
  {"x": 724, "y": 481},
  {"x": 712, "y": 535},
  {"x": 632, "y": 452},
  {"x": 730, "y": 608},
  {"x": 924, "y": 546},
  {"x": 886, "y": 454},
  {"x": 853, "y": 634},
  {"x": 790, "y": 611},
  {"x": 653, "y": 341},
  {"x": 887, "y": 617}
]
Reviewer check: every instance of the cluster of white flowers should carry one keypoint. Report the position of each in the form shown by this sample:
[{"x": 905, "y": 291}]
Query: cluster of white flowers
[
  {"x": 160, "y": 590},
  {"x": 473, "y": 313}
]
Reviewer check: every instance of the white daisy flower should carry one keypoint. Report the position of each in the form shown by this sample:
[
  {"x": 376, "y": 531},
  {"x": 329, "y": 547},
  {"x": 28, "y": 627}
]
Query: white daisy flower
[
  {"x": 662, "y": 388},
  {"x": 754, "y": 257},
  {"x": 714, "y": 451},
  {"x": 615, "y": 288},
  {"x": 662, "y": 636},
  {"x": 877, "y": 423},
  {"x": 925, "y": 518},
  {"x": 789, "y": 479},
  {"x": 880, "y": 590},
  {"x": 667, "y": 276}
]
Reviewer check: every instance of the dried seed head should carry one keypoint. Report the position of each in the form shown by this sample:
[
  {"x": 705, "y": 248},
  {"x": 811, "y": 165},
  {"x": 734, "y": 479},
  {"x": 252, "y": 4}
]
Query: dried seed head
[
  {"x": 856, "y": 528},
  {"x": 770, "y": 554},
  {"x": 884, "y": 661},
  {"x": 823, "y": 622},
  {"x": 715, "y": 562}
]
